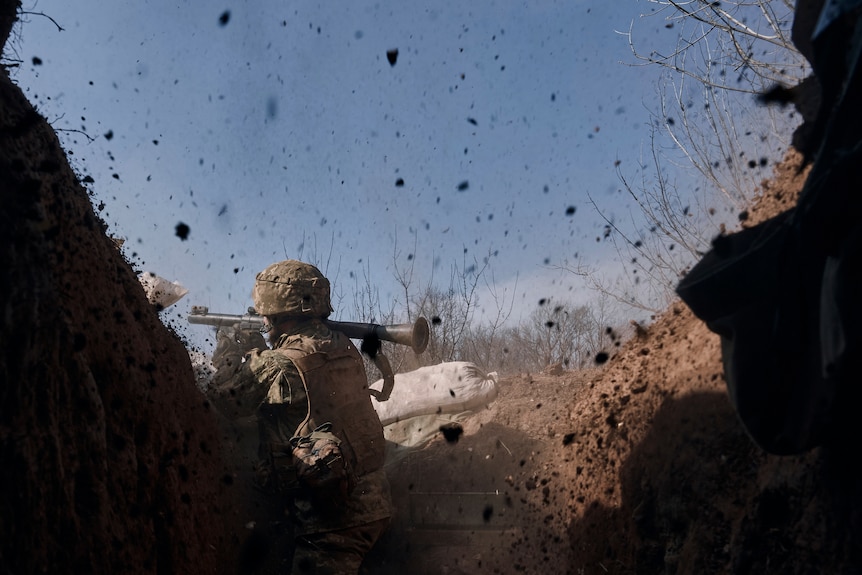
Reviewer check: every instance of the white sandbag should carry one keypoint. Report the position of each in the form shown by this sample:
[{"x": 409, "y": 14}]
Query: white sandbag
[
  {"x": 450, "y": 387},
  {"x": 408, "y": 435},
  {"x": 161, "y": 292}
]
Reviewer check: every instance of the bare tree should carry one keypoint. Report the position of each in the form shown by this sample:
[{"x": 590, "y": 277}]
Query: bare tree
[
  {"x": 491, "y": 348},
  {"x": 555, "y": 333},
  {"x": 710, "y": 142},
  {"x": 452, "y": 307},
  {"x": 725, "y": 54},
  {"x": 733, "y": 45},
  {"x": 367, "y": 307},
  {"x": 605, "y": 332}
]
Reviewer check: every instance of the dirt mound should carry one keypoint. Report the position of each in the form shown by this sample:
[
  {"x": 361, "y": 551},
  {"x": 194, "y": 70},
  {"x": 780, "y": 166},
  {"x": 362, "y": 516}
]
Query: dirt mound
[
  {"x": 640, "y": 466},
  {"x": 111, "y": 455}
]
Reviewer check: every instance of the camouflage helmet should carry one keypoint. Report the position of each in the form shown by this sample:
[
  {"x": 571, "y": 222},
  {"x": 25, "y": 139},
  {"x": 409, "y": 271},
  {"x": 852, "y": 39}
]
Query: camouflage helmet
[{"x": 291, "y": 288}]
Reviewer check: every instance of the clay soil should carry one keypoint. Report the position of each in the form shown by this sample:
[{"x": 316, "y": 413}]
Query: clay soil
[
  {"x": 640, "y": 465},
  {"x": 113, "y": 461}
]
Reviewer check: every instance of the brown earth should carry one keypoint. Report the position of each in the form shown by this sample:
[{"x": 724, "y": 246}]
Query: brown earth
[
  {"x": 112, "y": 459},
  {"x": 640, "y": 466}
]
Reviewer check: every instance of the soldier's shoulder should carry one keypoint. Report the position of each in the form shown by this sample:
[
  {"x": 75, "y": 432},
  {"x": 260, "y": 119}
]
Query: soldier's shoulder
[{"x": 269, "y": 360}]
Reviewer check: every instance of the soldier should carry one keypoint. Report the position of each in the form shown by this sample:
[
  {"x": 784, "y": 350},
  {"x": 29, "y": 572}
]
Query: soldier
[{"x": 321, "y": 443}]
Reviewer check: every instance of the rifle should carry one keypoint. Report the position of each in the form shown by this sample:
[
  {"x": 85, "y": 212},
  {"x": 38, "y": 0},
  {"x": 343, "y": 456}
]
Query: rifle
[{"x": 414, "y": 335}]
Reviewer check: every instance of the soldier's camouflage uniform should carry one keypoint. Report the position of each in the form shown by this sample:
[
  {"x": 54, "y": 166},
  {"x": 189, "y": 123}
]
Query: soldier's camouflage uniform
[{"x": 333, "y": 531}]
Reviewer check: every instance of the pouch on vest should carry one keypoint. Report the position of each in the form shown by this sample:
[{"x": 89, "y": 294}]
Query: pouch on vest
[{"x": 320, "y": 465}]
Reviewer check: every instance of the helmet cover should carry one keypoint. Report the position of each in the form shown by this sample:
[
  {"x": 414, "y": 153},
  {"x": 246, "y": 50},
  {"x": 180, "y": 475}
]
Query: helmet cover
[{"x": 293, "y": 288}]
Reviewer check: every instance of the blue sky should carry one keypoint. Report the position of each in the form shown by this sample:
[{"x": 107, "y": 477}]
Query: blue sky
[{"x": 283, "y": 131}]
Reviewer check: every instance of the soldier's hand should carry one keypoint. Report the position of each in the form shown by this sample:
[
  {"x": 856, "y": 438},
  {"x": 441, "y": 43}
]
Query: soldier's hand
[
  {"x": 249, "y": 340},
  {"x": 232, "y": 344}
]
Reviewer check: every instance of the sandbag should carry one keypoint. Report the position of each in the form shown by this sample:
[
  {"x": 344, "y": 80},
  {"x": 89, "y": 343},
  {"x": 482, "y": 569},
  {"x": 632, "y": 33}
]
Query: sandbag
[
  {"x": 449, "y": 387},
  {"x": 161, "y": 292},
  {"x": 405, "y": 436}
]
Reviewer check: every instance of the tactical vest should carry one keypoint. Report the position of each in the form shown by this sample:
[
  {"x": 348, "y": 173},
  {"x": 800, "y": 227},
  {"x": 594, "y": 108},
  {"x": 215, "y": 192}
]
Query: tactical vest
[{"x": 334, "y": 378}]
